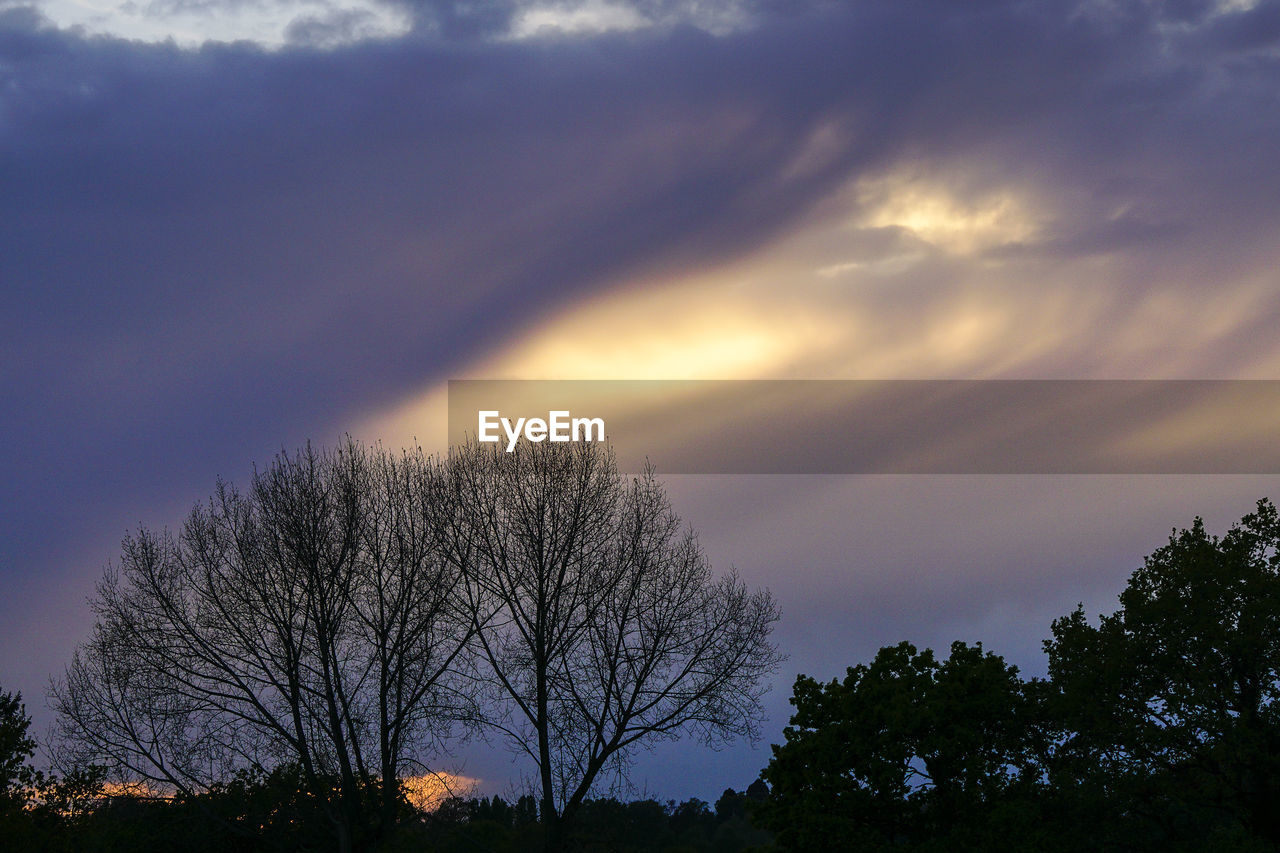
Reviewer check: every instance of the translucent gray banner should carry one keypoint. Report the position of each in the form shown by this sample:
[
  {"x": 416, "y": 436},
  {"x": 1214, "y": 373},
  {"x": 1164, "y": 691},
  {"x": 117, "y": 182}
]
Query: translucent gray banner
[{"x": 892, "y": 426}]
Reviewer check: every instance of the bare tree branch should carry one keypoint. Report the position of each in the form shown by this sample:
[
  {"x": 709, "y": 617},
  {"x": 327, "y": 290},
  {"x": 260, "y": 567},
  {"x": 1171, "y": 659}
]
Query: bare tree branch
[
  {"x": 309, "y": 620},
  {"x": 598, "y": 615}
]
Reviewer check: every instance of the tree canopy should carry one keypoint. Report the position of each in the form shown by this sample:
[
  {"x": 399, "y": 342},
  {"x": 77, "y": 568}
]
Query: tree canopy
[
  {"x": 1157, "y": 729},
  {"x": 1168, "y": 705},
  {"x": 903, "y": 751},
  {"x": 16, "y": 749}
]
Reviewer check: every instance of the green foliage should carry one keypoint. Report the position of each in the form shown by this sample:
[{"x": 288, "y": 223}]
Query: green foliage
[
  {"x": 16, "y": 749},
  {"x": 907, "y": 753},
  {"x": 1158, "y": 729},
  {"x": 37, "y": 811},
  {"x": 1169, "y": 704}
]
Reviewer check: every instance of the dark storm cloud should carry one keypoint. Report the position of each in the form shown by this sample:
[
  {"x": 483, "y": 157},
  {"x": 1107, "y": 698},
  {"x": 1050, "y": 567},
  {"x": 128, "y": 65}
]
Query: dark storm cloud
[
  {"x": 205, "y": 254},
  {"x": 331, "y": 28},
  {"x": 1250, "y": 30},
  {"x": 460, "y": 19},
  {"x": 200, "y": 247}
]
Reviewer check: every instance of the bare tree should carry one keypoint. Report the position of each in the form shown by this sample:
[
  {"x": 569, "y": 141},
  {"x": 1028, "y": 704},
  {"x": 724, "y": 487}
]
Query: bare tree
[
  {"x": 598, "y": 615},
  {"x": 310, "y": 620}
]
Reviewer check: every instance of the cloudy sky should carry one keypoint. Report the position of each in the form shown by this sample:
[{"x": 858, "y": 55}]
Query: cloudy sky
[{"x": 228, "y": 226}]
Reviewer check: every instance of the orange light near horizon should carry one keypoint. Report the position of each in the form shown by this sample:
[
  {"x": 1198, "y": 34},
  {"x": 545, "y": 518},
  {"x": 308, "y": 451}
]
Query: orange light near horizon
[
  {"x": 428, "y": 791},
  {"x": 141, "y": 790}
]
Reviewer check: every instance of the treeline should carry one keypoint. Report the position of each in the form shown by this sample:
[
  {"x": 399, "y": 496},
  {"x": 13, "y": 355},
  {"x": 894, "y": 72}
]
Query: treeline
[
  {"x": 603, "y": 825},
  {"x": 349, "y": 598},
  {"x": 273, "y": 812},
  {"x": 1157, "y": 729}
]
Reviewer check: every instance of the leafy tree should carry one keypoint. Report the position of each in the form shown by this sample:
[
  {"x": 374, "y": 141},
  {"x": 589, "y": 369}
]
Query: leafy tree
[
  {"x": 1169, "y": 704},
  {"x": 908, "y": 752},
  {"x": 16, "y": 749},
  {"x": 19, "y": 781},
  {"x": 733, "y": 830},
  {"x": 730, "y": 805},
  {"x": 38, "y": 811}
]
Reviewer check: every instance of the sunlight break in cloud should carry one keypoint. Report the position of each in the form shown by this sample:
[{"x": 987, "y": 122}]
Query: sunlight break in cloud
[
  {"x": 271, "y": 23},
  {"x": 332, "y": 23},
  {"x": 594, "y": 16},
  {"x": 944, "y": 219}
]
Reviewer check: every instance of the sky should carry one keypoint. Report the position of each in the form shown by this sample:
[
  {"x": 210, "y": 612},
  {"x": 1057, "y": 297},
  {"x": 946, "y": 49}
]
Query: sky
[{"x": 230, "y": 226}]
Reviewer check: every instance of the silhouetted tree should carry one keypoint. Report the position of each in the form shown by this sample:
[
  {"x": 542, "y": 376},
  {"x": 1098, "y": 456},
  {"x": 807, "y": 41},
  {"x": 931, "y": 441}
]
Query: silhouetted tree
[
  {"x": 309, "y": 621},
  {"x": 38, "y": 811},
  {"x": 907, "y": 753},
  {"x": 1169, "y": 704},
  {"x": 16, "y": 749},
  {"x": 18, "y": 779},
  {"x": 731, "y": 804},
  {"x": 598, "y": 615}
]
